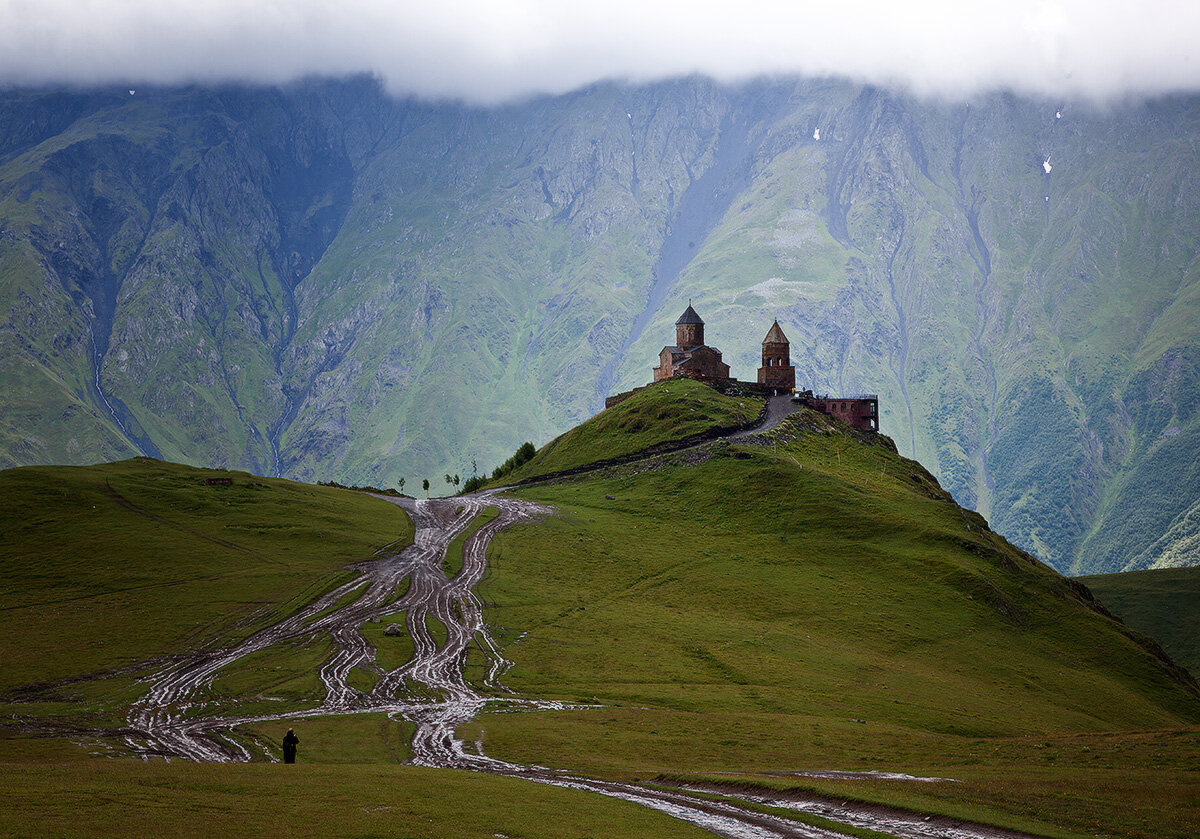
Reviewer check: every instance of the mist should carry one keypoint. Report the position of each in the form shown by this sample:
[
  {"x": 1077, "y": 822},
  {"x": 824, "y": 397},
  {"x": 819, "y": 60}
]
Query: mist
[{"x": 492, "y": 52}]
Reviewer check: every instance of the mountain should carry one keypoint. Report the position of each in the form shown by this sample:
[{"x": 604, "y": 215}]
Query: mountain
[
  {"x": 1163, "y": 603},
  {"x": 728, "y": 615},
  {"x": 322, "y": 282}
]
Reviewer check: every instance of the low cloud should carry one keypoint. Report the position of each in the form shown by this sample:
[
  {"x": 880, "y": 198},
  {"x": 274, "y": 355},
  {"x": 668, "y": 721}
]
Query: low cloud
[{"x": 493, "y": 51}]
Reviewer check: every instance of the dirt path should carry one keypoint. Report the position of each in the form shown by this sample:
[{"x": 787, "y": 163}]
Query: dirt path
[
  {"x": 171, "y": 719},
  {"x": 778, "y": 409},
  {"x": 175, "y": 717}
]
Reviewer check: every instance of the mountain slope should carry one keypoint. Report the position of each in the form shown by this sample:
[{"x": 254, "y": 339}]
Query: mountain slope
[
  {"x": 814, "y": 529},
  {"x": 1161, "y": 603},
  {"x": 120, "y": 564},
  {"x": 734, "y": 612},
  {"x": 817, "y": 600},
  {"x": 322, "y": 282}
]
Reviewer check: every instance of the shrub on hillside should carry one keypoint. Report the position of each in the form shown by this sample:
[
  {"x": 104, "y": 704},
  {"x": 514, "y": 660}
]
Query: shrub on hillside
[{"x": 521, "y": 456}]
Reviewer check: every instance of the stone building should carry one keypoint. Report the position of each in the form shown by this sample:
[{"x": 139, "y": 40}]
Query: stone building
[
  {"x": 777, "y": 371},
  {"x": 861, "y": 412},
  {"x": 690, "y": 357}
]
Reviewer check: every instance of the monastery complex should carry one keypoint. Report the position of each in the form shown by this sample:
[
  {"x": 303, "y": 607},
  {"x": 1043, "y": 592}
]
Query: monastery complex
[{"x": 689, "y": 357}]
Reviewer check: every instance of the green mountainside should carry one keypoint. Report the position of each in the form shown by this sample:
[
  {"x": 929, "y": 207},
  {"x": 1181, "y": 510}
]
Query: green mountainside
[
  {"x": 664, "y": 413},
  {"x": 806, "y": 599},
  {"x": 321, "y": 282},
  {"x": 109, "y": 566},
  {"x": 1164, "y": 604},
  {"x": 738, "y": 609}
]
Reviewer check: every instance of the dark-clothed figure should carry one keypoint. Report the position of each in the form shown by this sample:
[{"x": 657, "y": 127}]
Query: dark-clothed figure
[{"x": 289, "y": 746}]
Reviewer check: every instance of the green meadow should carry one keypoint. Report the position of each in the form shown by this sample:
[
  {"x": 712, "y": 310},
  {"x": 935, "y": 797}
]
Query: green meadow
[
  {"x": 126, "y": 798},
  {"x": 1163, "y": 603},
  {"x": 662, "y": 413},
  {"x": 109, "y": 567},
  {"x": 724, "y": 615},
  {"x": 820, "y": 603}
]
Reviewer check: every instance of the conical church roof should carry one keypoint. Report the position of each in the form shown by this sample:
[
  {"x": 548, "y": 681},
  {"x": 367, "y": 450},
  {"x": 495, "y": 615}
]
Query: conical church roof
[
  {"x": 689, "y": 316},
  {"x": 775, "y": 335}
]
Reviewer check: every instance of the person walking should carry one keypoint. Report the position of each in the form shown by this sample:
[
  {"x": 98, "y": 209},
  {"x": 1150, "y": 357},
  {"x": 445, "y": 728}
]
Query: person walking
[{"x": 289, "y": 746}]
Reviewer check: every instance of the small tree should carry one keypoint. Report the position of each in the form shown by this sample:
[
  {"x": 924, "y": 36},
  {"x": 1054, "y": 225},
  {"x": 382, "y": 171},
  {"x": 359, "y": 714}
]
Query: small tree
[
  {"x": 425, "y": 486},
  {"x": 449, "y": 480},
  {"x": 456, "y": 480},
  {"x": 401, "y": 485},
  {"x": 525, "y": 453}
]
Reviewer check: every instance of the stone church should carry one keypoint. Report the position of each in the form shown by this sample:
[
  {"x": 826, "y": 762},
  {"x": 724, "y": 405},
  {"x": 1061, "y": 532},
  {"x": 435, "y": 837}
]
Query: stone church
[
  {"x": 690, "y": 357},
  {"x": 777, "y": 371}
]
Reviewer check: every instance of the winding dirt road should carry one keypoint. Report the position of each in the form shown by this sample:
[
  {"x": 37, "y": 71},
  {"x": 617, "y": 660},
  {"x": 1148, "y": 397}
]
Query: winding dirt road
[
  {"x": 171, "y": 719},
  {"x": 175, "y": 717}
]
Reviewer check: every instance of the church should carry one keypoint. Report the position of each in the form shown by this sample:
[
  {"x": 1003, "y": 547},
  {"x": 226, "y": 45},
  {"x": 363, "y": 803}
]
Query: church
[{"x": 689, "y": 357}]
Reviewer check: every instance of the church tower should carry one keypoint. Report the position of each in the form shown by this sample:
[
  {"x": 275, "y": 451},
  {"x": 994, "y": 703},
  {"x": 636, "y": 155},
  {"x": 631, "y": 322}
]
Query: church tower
[
  {"x": 777, "y": 370},
  {"x": 689, "y": 329}
]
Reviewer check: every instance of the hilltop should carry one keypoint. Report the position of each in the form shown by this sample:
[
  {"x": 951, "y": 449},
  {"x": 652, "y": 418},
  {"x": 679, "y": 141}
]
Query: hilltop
[
  {"x": 813, "y": 598},
  {"x": 730, "y": 614},
  {"x": 324, "y": 282}
]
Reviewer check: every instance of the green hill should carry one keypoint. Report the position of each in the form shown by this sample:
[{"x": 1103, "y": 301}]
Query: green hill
[
  {"x": 325, "y": 282},
  {"x": 726, "y": 614},
  {"x": 823, "y": 568},
  {"x": 108, "y": 567},
  {"x": 820, "y": 601},
  {"x": 1164, "y": 604},
  {"x": 661, "y": 414}
]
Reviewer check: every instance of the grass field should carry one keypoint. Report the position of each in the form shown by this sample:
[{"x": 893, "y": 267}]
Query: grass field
[
  {"x": 1164, "y": 604},
  {"x": 124, "y": 798},
  {"x": 820, "y": 603},
  {"x": 111, "y": 566},
  {"x": 663, "y": 412},
  {"x": 731, "y": 613}
]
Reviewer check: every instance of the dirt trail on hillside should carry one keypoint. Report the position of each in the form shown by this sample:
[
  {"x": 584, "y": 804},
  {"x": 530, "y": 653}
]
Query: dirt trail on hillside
[
  {"x": 779, "y": 408},
  {"x": 431, "y": 690},
  {"x": 170, "y": 719}
]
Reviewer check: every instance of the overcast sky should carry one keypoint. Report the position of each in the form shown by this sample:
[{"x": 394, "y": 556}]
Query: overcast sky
[{"x": 492, "y": 51}]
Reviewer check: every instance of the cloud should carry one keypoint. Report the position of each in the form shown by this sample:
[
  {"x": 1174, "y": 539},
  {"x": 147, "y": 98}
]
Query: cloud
[{"x": 491, "y": 51}]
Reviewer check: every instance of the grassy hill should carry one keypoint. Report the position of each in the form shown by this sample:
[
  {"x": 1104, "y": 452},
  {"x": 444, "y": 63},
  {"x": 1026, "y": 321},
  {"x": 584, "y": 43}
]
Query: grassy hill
[
  {"x": 107, "y": 567},
  {"x": 821, "y": 602},
  {"x": 1164, "y": 604},
  {"x": 732, "y": 613},
  {"x": 663, "y": 413}
]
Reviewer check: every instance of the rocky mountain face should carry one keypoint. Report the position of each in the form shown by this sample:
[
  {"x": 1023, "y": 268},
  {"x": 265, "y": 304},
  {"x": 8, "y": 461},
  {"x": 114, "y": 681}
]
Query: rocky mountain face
[{"x": 322, "y": 282}]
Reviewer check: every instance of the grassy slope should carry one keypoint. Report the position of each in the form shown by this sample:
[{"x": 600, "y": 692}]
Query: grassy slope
[
  {"x": 110, "y": 565},
  {"x": 307, "y": 801},
  {"x": 820, "y": 604},
  {"x": 661, "y": 413},
  {"x": 1164, "y": 604}
]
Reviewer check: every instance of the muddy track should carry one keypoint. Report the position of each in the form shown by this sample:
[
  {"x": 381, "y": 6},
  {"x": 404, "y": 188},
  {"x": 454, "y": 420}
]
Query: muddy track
[
  {"x": 179, "y": 715},
  {"x": 174, "y": 717}
]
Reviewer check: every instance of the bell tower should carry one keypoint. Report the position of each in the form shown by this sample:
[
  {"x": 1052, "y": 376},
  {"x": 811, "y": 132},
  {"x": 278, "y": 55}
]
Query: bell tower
[
  {"x": 777, "y": 370},
  {"x": 689, "y": 329}
]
